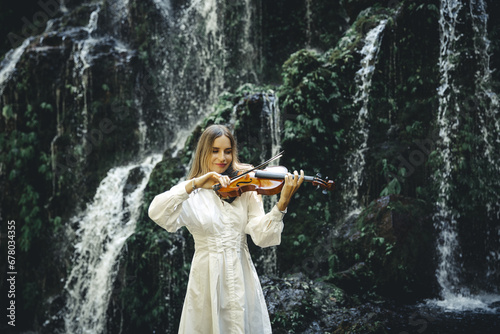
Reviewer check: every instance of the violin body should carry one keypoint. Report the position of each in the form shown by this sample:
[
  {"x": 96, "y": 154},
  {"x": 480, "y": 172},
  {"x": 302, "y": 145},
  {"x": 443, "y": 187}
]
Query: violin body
[
  {"x": 268, "y": 181},
  {"x": 249, "y": 182}
]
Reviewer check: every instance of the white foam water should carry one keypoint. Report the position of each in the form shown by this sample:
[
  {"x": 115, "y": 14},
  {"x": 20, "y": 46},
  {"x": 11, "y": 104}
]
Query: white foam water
[{"x": 102, "y": 231}]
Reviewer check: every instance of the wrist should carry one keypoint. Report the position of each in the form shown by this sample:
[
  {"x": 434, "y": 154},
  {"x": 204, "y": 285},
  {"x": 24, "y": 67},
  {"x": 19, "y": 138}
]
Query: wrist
[
  {"x": 281, "y": 206},
  {"x": 191, "y": 186}
]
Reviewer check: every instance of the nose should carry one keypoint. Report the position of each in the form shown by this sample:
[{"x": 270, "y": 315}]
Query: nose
[{"x": 222, "y": 156}]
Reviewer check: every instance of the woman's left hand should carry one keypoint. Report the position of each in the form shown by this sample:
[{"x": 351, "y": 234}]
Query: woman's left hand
[{"x": 292, "y": 184}]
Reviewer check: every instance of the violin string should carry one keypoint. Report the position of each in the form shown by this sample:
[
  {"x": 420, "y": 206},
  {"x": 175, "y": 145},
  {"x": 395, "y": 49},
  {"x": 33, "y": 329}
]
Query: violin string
[{"x": 277, "y": 156}]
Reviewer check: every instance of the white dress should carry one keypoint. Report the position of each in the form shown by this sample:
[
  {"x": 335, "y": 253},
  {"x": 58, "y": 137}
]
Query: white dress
[{"x": 223, "y": 295}]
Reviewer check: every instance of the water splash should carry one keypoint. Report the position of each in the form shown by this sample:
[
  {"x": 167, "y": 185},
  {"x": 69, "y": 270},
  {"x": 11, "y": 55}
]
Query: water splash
[{"x": 102, "y": 231}]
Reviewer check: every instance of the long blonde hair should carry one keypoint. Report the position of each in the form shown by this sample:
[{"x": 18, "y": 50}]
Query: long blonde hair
[{"x": 201, "y": 162}]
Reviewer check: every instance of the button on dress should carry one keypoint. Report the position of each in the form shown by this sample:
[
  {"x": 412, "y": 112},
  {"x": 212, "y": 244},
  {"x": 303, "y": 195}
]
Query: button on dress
[{"x": 224, "y": 295}]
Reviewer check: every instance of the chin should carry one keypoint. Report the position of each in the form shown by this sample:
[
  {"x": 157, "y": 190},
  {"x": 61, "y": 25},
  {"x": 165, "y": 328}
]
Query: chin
[{"x": 220, "y": 170}]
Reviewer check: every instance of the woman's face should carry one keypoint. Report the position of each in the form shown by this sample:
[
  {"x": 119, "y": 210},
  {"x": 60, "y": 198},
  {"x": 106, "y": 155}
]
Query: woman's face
[{"x": 221, "y": 157}]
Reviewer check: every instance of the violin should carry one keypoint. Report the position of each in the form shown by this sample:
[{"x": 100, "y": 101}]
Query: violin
[{"x": 268, "y": 181}]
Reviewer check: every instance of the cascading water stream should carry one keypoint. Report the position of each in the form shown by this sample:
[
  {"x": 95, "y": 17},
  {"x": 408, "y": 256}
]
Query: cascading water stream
[
  {"x": 103, "y": 229},
  {"x": 250, "y": 48},
  {"x": 192, "y": 81},
  {"x": 454, "y": 294},
  {"x": 86, "y": 52},
  {"x": 489, "y": 122},
  {"x": 445, "y": 220},
  {"x": 483, "y": 82},
  {"x": 82, "y": 61},
  {"x": 356, "y": 162},
  {"x": 8, "y": 64},
  {"x": 270, "y": 128}
]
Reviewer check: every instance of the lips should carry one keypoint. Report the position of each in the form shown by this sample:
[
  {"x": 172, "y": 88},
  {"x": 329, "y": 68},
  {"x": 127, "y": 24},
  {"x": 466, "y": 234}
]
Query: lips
[{"x": 221, "y": 165}]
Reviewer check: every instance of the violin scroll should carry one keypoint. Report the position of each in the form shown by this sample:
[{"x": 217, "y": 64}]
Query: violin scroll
[{"x": 326, "y": 185}]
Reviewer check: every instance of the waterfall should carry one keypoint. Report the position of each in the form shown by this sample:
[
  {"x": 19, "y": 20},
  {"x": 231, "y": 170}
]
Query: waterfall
[
  {"x": 489, "y": 122},
  {"x": 195, "y": 78},
  {"x": 102, "y": 231},
  {"x": 270, "y": 117},
  {"x": 191, "y": 81},
  {"x": 89, "y": 43},
  {"x": 454, "y": 294},
  {"x": 363, "y": 79},
  {"x": 270, "y": 133},
  {"x": 445, "y": 218},
  {"x": 82, "y": 61},
  {"x": 8, "y": 64}
]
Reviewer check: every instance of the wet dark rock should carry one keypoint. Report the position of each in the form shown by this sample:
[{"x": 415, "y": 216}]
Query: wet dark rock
[
  {"x": 134, "y": 177},
  {"x": 387, "y": 249},
  {"x": 299, "y": 305},
  {"x": 55, "y": 320}
]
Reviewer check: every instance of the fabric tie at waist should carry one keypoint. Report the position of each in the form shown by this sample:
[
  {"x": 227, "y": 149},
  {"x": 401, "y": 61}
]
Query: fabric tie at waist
[{"x": 221, "y": 243}]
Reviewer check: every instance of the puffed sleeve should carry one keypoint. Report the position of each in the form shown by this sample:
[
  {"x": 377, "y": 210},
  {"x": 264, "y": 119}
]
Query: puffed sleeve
[
  {"x": 166, "y": 208},
  {"x": 265, "y": 229}
]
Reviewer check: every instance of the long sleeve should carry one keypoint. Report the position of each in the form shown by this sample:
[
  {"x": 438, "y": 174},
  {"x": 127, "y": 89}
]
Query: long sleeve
[
  {"x": 166, "y": 208},
  {"x": 265, "y": 229}
]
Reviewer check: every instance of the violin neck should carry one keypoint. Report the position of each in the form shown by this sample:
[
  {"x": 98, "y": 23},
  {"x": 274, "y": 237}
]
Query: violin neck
[{"x": 278, "y": 176}]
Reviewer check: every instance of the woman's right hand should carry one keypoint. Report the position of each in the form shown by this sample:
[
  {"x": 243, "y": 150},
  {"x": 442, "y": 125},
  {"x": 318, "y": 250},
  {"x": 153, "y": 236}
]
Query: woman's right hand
[{"x": 207, "y": 181}]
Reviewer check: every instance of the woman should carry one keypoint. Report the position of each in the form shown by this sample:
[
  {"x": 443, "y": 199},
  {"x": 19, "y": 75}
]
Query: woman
[{"x": 223, "y": 293}]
